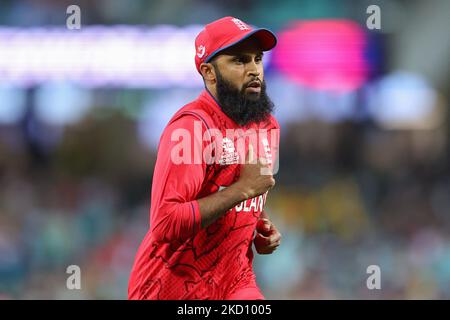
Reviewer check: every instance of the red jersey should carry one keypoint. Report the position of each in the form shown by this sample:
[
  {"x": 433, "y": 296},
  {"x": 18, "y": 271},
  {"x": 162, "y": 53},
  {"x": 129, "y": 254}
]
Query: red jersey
[{"x": 177, "y": 258}]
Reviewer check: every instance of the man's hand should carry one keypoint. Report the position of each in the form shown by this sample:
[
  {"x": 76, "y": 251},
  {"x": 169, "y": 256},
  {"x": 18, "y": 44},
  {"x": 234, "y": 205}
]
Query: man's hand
[
  {"x": 255, "y": 178},
  {"x": 267, "y": 237}
]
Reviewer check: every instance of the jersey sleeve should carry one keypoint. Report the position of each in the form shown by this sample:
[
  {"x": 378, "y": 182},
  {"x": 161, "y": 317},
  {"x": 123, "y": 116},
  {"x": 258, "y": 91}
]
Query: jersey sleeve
[{"x": 178, "y": 177}]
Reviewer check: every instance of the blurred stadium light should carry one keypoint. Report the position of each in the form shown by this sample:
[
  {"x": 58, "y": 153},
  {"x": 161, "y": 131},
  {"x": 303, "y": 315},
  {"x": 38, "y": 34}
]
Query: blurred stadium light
[
  {"x": 405, "y": 100},
  {"x": 120, "y": 56},
  {"x": 324, "y": 54},
  {"x": 12, "y": 104},
  {"x": 61, "y": 103}
]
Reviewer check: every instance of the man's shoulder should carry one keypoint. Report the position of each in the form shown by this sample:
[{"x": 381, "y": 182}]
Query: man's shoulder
[
  {"x": 274, "y": 121},
  {"x": 270, "y": 123},
  {"x": 191, "y": 112}
]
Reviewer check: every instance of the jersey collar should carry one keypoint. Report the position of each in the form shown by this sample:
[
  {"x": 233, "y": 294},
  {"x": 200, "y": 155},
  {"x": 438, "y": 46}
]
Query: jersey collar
[{"x": 207, "y": 96}]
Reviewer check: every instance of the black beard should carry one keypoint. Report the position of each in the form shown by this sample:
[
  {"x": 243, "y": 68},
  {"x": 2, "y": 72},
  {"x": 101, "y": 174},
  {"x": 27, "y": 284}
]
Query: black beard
[{"x": 243, "y": 108}]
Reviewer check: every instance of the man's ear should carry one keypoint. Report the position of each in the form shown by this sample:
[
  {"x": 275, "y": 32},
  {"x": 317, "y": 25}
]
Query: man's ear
[{"x": 208, "y": 72}]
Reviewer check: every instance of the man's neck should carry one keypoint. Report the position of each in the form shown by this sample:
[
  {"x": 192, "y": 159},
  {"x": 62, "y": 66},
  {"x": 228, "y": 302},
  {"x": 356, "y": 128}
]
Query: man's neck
[{"x": 212, "y": 90}]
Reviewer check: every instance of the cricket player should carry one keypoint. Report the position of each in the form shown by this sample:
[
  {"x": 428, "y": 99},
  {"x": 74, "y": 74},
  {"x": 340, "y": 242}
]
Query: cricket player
[{"x": 213, "y": 172}]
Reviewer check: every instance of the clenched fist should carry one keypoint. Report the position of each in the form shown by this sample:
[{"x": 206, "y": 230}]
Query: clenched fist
[
  {"x": 267, "y": 237},
  {"x": 256, "y": 178}
]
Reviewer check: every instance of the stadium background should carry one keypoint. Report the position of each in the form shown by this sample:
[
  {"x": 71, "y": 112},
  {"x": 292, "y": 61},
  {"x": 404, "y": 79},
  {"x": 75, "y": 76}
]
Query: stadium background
[{"x": 365, "y": 151}]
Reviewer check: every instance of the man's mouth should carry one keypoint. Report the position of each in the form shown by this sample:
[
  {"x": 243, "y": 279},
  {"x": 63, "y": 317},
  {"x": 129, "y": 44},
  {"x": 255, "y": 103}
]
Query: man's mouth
[{"x": 254, "y": 86}]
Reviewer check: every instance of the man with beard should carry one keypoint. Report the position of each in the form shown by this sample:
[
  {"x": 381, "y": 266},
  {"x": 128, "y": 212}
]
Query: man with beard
[{"x": 213, "y": 171}]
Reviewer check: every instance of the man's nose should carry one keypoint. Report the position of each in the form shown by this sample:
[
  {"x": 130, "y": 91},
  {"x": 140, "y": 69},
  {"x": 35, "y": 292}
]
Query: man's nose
[{"x": 253, "y": 69}]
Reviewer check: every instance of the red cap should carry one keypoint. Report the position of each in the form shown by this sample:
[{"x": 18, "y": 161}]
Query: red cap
[{"x": 226, "y": 32}]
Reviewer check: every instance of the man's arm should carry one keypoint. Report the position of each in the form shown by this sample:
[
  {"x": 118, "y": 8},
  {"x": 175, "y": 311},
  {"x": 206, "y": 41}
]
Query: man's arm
[{"x": 215, "y": 205}]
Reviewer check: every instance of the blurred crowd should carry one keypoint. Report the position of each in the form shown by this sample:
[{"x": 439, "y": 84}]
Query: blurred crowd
[{"x": 350, "y": 193}]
